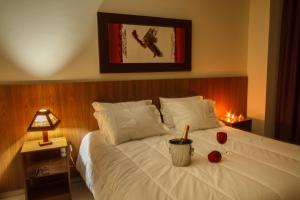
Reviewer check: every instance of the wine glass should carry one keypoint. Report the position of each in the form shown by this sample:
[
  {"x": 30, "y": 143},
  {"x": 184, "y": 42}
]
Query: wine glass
[{"x": 222, "y": 139}]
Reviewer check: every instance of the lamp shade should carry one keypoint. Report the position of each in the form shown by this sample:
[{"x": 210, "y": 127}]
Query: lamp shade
[{"x": 43, "y": 120}]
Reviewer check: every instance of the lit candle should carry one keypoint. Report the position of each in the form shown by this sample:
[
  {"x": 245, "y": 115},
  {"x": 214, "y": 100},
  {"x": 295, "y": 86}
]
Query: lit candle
[
  {"x": 228, "y": 114},
  {"x": 232, "y": 117},
  {"x": 241, "y": 117},
  {"x": 229, "y": 117}
]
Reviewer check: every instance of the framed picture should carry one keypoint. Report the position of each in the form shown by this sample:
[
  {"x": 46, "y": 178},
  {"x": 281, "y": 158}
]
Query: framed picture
[{"x": 130, "y": 43}]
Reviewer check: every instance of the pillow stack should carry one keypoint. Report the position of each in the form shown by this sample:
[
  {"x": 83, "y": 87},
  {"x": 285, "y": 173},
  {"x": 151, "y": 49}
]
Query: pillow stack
[
  {"x": 197, "y": 112},
  {"x": 166, "y": 108}
]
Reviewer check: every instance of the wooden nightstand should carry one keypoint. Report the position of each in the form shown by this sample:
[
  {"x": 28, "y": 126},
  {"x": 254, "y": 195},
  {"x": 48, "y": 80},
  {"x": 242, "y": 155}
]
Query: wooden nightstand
[
  {"x": 245, "y": 124},
  {"x": 47, "y": 171}
]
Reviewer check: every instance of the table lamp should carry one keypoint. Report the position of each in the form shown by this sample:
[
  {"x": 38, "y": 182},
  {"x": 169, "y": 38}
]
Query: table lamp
[{"x": 44, "y": 120}]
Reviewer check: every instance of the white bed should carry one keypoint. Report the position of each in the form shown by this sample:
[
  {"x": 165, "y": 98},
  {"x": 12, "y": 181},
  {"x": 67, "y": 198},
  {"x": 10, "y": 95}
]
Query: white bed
[{"x": 252, "y": 167}]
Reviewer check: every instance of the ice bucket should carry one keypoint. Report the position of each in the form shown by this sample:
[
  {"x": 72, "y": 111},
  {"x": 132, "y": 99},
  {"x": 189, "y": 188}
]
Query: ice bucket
[{"x": 181, "y": 152}]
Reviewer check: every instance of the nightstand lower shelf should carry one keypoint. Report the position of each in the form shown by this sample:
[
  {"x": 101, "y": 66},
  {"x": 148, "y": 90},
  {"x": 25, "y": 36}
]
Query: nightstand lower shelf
[{"x": 49, "y": 188}]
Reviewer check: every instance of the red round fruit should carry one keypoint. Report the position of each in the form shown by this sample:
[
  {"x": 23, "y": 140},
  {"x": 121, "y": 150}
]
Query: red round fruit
[
  {"x": 214, "y": 156},
  {"x": 222, "y": 137}
]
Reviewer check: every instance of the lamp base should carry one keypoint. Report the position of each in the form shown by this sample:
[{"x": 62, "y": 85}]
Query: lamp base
[{"x": 45, "y": 143}]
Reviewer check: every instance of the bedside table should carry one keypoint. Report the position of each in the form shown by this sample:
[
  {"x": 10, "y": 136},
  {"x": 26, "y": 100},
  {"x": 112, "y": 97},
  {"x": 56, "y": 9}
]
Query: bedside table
[
  {"x": 245, "y": 125},
  {"x": 46, "y": 170}
]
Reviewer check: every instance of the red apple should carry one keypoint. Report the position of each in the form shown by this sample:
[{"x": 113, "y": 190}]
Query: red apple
[
  {"x": 222, "y": 137},
  {"x": 214, "y": 156}
]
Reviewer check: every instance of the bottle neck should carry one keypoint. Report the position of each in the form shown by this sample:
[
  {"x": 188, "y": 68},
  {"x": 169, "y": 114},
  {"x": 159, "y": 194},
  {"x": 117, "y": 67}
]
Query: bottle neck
[{"x": 185, "y": 132}]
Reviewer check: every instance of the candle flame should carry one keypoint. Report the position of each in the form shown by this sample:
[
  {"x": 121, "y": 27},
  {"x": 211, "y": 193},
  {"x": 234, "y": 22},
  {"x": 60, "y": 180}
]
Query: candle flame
[
  {"x": 228, "y": 114},
  {"x": 230, "y": 117},
  {"x": 241, "y": 117}
]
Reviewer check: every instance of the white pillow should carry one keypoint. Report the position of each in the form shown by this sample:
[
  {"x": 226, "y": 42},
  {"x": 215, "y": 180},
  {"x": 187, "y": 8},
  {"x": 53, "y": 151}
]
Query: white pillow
[
  {"x": 165, "y": 109},
  {"x": 121, "y": 105},
  {"x": 100, "y": 106},
  {"x": 197, "y": 114},
  {"x": 121, "y": 125}
]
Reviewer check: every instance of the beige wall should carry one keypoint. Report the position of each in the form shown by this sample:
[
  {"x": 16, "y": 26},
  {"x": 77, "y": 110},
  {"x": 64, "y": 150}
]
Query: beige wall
[
  {"x": 57, "y": 40},
  {"x": 258, "y": 35}
]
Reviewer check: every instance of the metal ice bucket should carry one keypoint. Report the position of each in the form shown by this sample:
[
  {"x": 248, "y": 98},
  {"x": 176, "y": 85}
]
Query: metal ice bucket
[{"x": 181, "y": 152}]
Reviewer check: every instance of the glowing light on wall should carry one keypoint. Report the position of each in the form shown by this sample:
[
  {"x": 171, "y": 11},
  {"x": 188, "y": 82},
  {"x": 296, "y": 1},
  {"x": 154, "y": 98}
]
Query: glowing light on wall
[{"x": 41, "y": 36}]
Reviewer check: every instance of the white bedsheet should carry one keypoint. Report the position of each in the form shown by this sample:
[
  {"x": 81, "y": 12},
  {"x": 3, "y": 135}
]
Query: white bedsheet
[{"x": 253, "y": 167}]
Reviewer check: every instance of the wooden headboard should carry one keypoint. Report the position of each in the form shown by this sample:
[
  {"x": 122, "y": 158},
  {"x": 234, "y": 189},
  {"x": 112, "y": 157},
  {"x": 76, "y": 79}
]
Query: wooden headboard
[{"x": 71, "y": 102}]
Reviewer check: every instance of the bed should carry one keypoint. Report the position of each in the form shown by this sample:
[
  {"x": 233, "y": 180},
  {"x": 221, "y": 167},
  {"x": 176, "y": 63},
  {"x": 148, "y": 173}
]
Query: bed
[{"x": 252, "y": 167}]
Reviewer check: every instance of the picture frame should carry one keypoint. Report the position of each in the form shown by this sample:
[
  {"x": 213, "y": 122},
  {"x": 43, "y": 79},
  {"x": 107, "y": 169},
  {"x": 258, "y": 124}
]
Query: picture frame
[{"x": 131, "y": 43}]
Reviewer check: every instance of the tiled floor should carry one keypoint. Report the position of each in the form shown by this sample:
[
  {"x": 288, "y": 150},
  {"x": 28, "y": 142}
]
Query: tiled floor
[{"x": 79, "y": 192}]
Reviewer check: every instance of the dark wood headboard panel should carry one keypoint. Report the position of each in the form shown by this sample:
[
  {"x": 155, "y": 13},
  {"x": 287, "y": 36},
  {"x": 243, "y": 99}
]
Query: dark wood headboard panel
[{"x": 71, "y": 102}]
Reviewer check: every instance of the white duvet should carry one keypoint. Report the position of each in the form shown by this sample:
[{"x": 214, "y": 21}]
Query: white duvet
[{"x": 252, "y": 167}]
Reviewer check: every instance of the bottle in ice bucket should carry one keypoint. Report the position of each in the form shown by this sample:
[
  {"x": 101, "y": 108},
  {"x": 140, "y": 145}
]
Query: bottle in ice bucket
[{"x": 184, "y": 137}]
